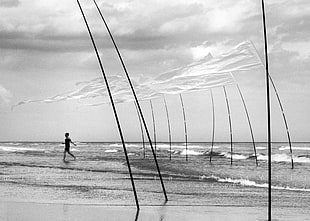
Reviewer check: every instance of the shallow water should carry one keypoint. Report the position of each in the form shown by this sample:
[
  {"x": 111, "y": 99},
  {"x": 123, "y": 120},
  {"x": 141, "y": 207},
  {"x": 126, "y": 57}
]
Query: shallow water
[{"x": 35, "y": 172}]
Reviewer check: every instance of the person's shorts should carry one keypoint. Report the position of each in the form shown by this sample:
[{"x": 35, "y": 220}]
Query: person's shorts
[{"x": 67, "y": 149}]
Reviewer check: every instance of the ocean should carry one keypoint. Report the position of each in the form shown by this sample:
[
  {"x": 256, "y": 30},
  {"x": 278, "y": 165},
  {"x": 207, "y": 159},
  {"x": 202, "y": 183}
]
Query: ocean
[{"x": 35, "y": 172}]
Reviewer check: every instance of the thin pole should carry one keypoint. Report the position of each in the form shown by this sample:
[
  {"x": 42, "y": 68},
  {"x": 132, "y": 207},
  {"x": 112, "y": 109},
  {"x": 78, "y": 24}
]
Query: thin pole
[
  {"x": 141, "y": 129},
  {"x": 154, "y": 125},
  {"x": 249, "y": 122},
  {"x": 283, "y": 115},
  {"x": 213, "y": 125},
  {"x": 185, "y": 127},
  {"x": 113, "y": 106},
  {"x": 230, "y": 127},
  {"x": 137, "y": 215},
  {"x": 136, "y": 99},
  {"x": 285, "y": 121},
  {"x": 168, "y": 124},
  {"x": 268, "y": 111}
]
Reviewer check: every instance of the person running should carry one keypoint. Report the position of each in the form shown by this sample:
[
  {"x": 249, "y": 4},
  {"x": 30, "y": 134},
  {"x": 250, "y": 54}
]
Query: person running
[{"x": 67, "y": 146}]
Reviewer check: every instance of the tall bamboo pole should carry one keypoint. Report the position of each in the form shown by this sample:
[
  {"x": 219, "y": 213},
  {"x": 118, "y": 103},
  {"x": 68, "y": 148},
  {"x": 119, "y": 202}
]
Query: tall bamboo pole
[
  {"x": 230, "y": 127},
  {"x": 169, "y": 127},
  {"x": 141, "y": 129},
  {"x": 250, "y": 125},
  {"x": 136, "y": 99},
  {"x": 185, "y": 127},
  {"x": 268, "y": 111},
  {"x": 213, "y": 125},
  {"x": 154, "y": 124},
  {"x": 113, "y": 105}
]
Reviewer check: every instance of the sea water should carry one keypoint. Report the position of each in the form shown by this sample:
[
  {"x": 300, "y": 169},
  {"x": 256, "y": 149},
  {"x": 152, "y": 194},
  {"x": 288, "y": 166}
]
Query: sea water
[{"x": 36, "y": 172}]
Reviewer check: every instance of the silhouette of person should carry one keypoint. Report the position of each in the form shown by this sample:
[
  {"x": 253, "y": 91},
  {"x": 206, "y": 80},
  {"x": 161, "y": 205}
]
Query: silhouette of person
[{"x": 67, "y": 146}]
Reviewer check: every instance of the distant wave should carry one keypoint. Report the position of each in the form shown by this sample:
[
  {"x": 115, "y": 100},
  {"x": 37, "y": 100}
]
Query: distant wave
[
  {"x": 119, "y": 145},
  {"x": 294, "y": 148},
  {"x": 74, "y": 149},
  {"x": 275, "y": 157},
  {"x": 261, "y": 148},
  {"x": 164, "y": 146},
  {"x": 167, "y": 146},
  {"x": 111, "y": 151},
  {"x": 191, "y": 152},
  {"x": 284, "y": 158},
  {"x": 236, "y": 156},
  {"x": 196, "y": 146},
  {"x": 15, "y": 144},
  {"x": 19, "y": 149},
  {"x": 214, "y": 153},
  {"x": 81, "y": 143}
]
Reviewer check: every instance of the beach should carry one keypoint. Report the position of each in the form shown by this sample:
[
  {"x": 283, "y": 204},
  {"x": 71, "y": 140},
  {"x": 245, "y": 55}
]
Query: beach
[
  {"x": 35, "y": 184},
  {"x": 178, "y": 110},
  {"x": 75, "y": 212}
]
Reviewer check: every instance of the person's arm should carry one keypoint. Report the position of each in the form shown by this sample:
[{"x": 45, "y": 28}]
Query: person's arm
[{"x": 72, "y": 142}]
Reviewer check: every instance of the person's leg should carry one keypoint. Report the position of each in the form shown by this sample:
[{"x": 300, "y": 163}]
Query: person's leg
[
  {"x": 64, "y": 155},
  {"x": 71, "y": 154}
]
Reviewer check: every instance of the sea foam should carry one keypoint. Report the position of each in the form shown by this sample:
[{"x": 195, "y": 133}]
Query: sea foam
[
  {"x": 246, "y": 182},
  {"x": 284, "y": 158}
]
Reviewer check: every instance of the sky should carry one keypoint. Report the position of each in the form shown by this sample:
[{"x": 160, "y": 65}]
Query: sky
[{"x": 45, "y": 50}]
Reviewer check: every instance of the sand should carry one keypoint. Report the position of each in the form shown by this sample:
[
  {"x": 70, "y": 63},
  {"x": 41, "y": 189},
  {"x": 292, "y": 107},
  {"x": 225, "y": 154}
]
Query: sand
[{"x": 15, "y": 211}]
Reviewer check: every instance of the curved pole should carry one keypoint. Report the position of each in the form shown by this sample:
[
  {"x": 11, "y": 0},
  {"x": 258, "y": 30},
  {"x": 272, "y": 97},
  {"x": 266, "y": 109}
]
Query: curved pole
[
  {"x": 168, "y": 124},
  {"x": 136, "y": 99},
  {"x": 185, "y": 128},
  {"x": 285, "y": 121},
  {"x": 154, "y": 126},
  {"x": 268, "y": 110},
  {"x": 141, "y": 129},
  {"x": 249, "y": 122},
  {"x": 213, "y": 125},
  {"x": 230, "y": 127},
  {"x": 113, "y": 105},
  {"x": 283, "y": 114}
]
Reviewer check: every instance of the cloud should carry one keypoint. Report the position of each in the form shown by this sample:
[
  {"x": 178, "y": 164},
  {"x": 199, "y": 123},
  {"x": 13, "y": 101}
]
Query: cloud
[
  {"x": 303, "y": 48},
  {"x": 58, "y": 27},
  {"x": 298, "y": 26},
  {"x": 52, "y": 26},
  {"x": 161, "y": 36},
  {"x": 290, "y": 19},
  {"x": 9, "y": 3},
  {"x": 5, "y": 96}
]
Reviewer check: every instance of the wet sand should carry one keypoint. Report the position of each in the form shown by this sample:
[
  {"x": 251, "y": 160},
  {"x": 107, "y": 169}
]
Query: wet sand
[{"x": 15, "y": 211}]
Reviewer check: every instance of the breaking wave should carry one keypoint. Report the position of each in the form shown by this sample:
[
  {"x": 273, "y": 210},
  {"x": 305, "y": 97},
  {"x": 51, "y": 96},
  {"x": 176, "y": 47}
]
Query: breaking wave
[
  {"x": 236, "y": 156},
  {"x": 111, "y": 151},
  {"x": 191, "y": 152},
  {"x": 284, "y": 158},
  {"x": 246, "y": 182}
]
